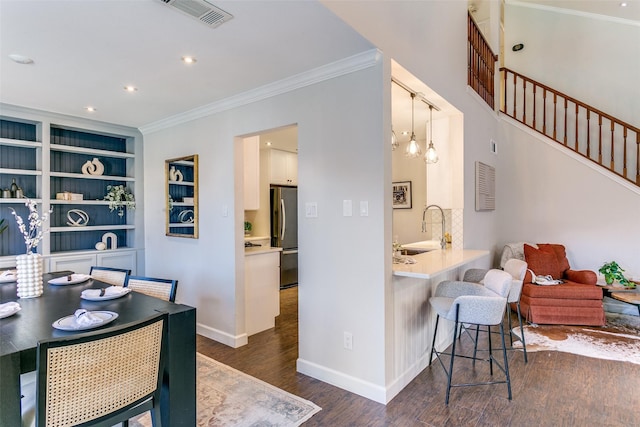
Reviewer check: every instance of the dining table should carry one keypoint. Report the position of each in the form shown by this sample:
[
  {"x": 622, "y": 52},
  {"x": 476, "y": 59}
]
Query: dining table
[{"x": 21, "y": 332}]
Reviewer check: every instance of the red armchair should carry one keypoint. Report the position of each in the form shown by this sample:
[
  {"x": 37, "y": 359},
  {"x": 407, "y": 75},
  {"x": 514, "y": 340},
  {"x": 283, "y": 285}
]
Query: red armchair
[{"x": 577, "y": 301}]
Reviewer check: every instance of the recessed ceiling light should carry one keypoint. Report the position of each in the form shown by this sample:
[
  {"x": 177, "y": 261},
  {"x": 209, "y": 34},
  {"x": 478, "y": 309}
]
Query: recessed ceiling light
[
  {"x": 20, "y": 59},
  {"x": 189, "y": 60},
  {"x": 90, "y": 109},
  {"x": 623, "y": 4},
  {"x": 269, "y": 143},
  {"x": 130, "y": 88}
]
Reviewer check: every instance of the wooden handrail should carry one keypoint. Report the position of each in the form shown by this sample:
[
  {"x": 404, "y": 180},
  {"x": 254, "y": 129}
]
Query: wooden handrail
[
  {"x": 481, "y": 63},
  {"x": 573, "y": 124}
]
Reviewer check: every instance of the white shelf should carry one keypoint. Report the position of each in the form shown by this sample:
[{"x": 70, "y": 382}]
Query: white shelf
[
  {"x": 183, "y": 163},
  {"x": 83, "y": 176},
  {"x": 20, "y": 143},
  {"x": 93, "y": 228},
  {"x": 78, "y": 202},
  {"x": 18, "y": 201},
  {"x": 20, "y": 172},
  {"x": 187, "y": 183},
  {"x": 183, "y": 204},
  {"x": 180, "y": 224},
  {"x": 91, "y": 151}
]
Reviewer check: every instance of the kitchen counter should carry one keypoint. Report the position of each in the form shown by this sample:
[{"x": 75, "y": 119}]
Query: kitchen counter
[
  {"x": 256, "y": 250},
  {"x": 429, "y": 264}
]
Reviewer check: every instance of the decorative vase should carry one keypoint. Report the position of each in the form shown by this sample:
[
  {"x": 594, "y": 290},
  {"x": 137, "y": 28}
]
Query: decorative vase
[{"x": 30, "y": 272}]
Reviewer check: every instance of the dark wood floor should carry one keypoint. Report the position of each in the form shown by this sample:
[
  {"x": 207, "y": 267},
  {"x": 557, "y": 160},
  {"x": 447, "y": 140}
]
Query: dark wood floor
[{"x": 553, "y": 389}]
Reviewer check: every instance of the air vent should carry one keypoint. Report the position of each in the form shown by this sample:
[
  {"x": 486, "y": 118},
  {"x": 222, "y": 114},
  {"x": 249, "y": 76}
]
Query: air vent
[{"x": 203, "y": 11}]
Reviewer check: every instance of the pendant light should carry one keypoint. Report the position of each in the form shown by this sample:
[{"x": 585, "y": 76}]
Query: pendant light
[
  {"x": 413, "y": 149},
  {"x": 394, "y": 140},
  {"x": 431, "y": 156}
]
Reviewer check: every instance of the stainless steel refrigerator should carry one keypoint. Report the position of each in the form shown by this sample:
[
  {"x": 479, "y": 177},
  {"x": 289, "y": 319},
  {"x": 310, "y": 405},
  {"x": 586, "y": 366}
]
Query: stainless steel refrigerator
[{"x": 284, "y": 231}]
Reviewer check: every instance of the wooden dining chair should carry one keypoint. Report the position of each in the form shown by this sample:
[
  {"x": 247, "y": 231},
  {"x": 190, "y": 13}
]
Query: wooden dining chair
[
  {"x": 112, "y": 276},
  {"x": 99, "y": 378},
  {"x": 160, "y": 288}
]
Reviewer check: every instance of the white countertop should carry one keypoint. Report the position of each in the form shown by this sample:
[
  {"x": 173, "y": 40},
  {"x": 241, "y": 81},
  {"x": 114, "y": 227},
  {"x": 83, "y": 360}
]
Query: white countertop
[
  {"x": 256, "y": 250},
  {"x": 431, "y": 263}
]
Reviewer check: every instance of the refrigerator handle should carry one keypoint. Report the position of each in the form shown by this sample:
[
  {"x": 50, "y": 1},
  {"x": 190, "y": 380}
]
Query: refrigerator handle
[{"x": 284, "y": 219}]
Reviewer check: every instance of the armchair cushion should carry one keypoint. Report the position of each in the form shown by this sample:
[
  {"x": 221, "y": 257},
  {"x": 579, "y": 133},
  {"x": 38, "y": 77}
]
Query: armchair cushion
[
  {"x": 581, "y": 276},
  {"x": 543, "y": 262}
]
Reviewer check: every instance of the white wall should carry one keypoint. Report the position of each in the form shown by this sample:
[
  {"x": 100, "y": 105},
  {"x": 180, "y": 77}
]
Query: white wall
[
  {"x": 343, "y": 261},
  {"x": 557, "y": 198},
  {"x": 603, "y": 53}
]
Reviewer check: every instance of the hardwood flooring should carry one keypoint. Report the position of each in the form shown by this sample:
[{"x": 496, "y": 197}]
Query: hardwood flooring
[{"x": 553, "y": 389}]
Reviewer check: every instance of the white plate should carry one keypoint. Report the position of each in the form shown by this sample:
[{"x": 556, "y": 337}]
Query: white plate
[
  {"x": 11, "y": 312},
  {"x": 125, "y": 291},
  {"x": 8, "y": 278},
  {"x": 75, "y": 278},
  {"x": 69, "y": 323}
]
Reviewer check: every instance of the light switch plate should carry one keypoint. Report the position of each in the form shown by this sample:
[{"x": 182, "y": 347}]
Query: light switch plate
[
  {"x": 364, "y": 208},
  {"x": 347, "y": 208},
  {"x": 311, "y": 209}
]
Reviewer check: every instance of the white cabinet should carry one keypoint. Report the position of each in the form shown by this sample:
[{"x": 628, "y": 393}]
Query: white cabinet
[
  {"x": 82, "y": 262},
  {"x": 283, "y": 167},
  {"x": 262, "y": 290},
  {"x": 252, "y": 173}
]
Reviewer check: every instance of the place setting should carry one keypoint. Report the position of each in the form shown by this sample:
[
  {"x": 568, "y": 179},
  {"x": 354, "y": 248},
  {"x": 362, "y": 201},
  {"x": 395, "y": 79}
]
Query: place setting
[
  {"x": 70, "y": 279},
  {"x": 9, "y": 309},
  {"x": 83, "y": 319},
  {"x": 8, "y": 276}
]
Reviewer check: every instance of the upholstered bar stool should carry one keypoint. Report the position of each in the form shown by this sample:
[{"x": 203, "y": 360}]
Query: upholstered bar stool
[
  {"x": 475, "y": 304},
  {"x": 517, "y": 269}
]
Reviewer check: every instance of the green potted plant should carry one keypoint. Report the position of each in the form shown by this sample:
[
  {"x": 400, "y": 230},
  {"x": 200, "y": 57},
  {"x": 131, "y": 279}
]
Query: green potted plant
[
  {"x": 247, "y": 228},
  {"x": 613, "y": 272}
]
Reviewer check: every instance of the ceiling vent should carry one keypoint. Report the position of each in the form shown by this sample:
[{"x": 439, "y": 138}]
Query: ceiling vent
[{"x": 203, "y": 11}]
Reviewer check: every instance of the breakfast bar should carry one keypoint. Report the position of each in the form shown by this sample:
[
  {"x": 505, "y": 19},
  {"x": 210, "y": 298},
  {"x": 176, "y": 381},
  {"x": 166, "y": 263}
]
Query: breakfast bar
[{"x": 413, "y": 285}]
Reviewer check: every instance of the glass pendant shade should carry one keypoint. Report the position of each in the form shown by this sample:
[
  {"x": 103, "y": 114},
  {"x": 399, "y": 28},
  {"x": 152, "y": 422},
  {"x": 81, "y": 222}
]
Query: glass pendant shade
[
  {"x": 394, "y": 140},
  {"x": 413, "y": 149},
  {"x": 431, "y": 156}
]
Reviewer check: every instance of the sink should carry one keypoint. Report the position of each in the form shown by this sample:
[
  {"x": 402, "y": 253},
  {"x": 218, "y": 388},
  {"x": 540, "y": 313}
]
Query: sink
[{"x": 423, "y": 246}]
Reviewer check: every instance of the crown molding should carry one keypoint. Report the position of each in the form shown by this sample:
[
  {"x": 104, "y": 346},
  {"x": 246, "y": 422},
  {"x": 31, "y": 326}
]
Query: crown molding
[{"x": 329, "y": 71}]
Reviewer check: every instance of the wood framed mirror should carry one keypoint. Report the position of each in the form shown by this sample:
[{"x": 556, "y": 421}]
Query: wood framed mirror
[{"x": 181, "y": 189}]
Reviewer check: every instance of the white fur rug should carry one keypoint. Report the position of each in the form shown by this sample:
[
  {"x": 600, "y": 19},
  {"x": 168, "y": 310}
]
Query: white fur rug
[{"x": 618, "y": 340}]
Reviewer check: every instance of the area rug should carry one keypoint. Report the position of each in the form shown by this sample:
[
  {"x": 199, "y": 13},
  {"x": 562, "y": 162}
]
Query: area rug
[
  {"x": 618, "y": 340},
  {"x": 227, "y": 397}
]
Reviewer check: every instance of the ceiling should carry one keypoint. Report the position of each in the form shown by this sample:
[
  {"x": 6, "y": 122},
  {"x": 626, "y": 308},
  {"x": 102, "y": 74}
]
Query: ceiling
[{"x": 85, "y": 52}]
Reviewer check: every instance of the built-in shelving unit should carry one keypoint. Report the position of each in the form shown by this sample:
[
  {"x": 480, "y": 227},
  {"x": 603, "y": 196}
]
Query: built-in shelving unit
[
  {"x": 182, "y": 183},
  {"x": 47, "y": 154}
]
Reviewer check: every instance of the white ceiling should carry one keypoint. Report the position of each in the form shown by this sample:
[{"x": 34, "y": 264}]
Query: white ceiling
[{"x": 85, "y": 52}]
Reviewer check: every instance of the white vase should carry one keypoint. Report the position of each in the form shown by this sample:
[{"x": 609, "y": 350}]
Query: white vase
[{"x": 30, "y": 271}]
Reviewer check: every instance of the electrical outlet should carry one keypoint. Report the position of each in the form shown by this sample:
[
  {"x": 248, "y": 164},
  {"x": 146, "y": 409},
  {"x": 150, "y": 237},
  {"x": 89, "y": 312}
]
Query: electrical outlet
[{"x": 348, "y": 341}]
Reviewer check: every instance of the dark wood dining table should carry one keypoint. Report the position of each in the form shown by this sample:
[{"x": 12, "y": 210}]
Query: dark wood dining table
[{"x": 20, "y": 333}]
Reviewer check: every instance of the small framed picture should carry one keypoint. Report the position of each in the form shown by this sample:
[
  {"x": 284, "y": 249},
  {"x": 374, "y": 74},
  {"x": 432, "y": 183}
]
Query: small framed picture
[{"x": 402, "y": 195}]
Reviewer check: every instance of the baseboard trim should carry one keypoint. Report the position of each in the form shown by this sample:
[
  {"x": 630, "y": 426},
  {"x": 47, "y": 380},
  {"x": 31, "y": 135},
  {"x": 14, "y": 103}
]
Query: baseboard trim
[
  {"x": 234, "y": 341},
  {"x": 339, "y": 379}
]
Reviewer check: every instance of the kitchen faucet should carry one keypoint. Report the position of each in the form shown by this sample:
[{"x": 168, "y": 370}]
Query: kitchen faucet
[{"x": 443, "y": 242}]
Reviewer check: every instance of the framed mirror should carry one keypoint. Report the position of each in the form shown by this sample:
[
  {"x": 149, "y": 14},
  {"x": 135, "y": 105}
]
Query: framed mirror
[{"x": 181, "y": 189}]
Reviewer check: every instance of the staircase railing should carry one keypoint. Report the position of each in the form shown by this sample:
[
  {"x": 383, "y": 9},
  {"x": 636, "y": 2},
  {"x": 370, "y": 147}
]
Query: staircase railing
[
  {"x": 598, "y": 136},
  {"x": 481, "y": 63}
]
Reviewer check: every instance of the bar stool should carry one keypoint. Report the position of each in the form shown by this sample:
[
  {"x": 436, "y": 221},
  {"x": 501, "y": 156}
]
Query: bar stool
[{"x": 472, "y": 303}]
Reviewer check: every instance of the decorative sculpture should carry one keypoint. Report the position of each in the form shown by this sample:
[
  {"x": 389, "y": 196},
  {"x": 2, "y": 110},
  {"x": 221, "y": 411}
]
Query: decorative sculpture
[
  {"x": 114, "y": 240},
  {"x": 81, "y": 218},
  {"x": 175, "y": 174},
  {"x": 93, "y": 167},
  {"x": 186, "y": 216}
]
